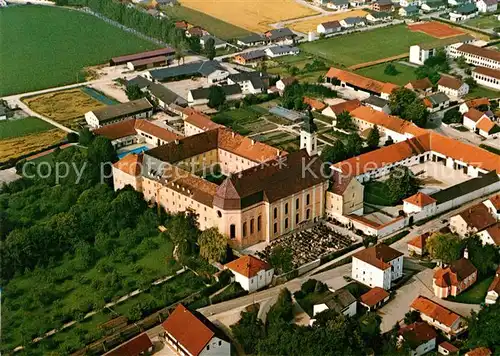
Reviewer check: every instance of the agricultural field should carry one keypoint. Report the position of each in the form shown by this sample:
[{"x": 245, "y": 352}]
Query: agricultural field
[
  {"x": 56, "y": 53},
  {"x": 405, "y": 73},
  {"x": 255, "y": 16},
  {"x": 311, "y": 24},
  {"x": 484, "y": 22},
  {"x": 281, "y": 66},
  {"x": 370, "y": 45},
  {"x": 217, "y": 27},
  {"x": 63, "y": 106},
  {"x": 22, "y": 127},
  {"x": 17, "y": 146}
]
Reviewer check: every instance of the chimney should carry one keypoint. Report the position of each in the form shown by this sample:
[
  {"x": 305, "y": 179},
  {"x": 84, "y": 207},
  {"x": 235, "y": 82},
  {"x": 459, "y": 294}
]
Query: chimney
[
  {"x": 253, "y": 142},
  {"x": 466, "y": 253},
  {"x": 278, "y": 152},
  {"x": 232, "y": 133},
  {"x": 176, "y": 142}
]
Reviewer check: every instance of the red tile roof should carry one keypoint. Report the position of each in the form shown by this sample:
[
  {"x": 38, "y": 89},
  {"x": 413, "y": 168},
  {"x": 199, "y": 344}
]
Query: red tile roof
[
  {"x": 155, "y": 130},
  {"x": 378, "y": 256},
  {"x": 493, "y": 73},
  {"x": 248, "y": 266},
  {"x": 495, "y": 284},
  {"x": 201, "y": 121},
  {"x": 434, "y": 311},
  {"x": 356, "y": 80},
  {"x": 134, "y": 347},
  {"x": 130, "y": 127},
  {"x": 474, "y": 103},
  {"x": 388, "y": 88},
  {"x": 420, "y": 241},
  {"x": 188, "y": 330},
  {"x": 450, "y": 347},
  {"x": 479, "y": 351},
  {"x": 419, "y": 84},
  {"x": 313, "y": 103},
  {"x": 494, "y": 232},
  {"x": 420, "y": 199},
  {"x": 455, "y": 273},
  {"x": 418, "y": 333},
  {"x": 130, "y": 164},
  {"x": 474, "y": 115},
  {"x": 485, "y": 124},
  {"x": 374, "y": 296},
  {"x": 348, "y": 106},
  {"x": 478, "y": 216},
  {"x": 450, "y": 82},
  {"x": 495, "y": 200},
  {"x": 480, "y": 51}
]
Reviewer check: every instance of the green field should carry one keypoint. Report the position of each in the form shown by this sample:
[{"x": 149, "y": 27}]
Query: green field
[
  {"x": 366, "y": 46},
  {"x": 405, "y": 73},
  {"x": 37, "y": 56},
  {"x": 217, "y": 27},
  {"x": 376, "y": 194},
  {"x": 483, "y": 22},
  {"x": 474, "y": 294},
  {"x": 482, "y": 92},
  {"x": 22, "y": 127}
]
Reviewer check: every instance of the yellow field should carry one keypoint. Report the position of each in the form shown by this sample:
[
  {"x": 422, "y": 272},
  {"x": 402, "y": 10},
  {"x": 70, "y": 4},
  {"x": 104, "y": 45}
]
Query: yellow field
[
  {"x": 253, "y": 15},
  {"x": 17, "y": 146},
  {"x": 63, "y": 106},
  {"x": 311, "y": 24}
]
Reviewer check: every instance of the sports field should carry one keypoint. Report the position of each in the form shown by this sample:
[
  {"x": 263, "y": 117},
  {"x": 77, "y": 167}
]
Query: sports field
[
  {"x": 405, "y": 73},
  {"x": 45, "y": 46},
  {"x": 215, "y": 26},
  {"x": 255, "y": 15},
  {"x": 366, "y": 46},
  {"x": 311, "y": 24}
]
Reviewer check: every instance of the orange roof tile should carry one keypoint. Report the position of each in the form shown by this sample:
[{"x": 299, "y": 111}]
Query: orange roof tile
[
  {"x": 474, "y": 115},
  {"x": 418, "y": 333},
  {"x": 485, "y": 124},
  {"x": 450, "y": 82},
  {"x": 155, "y": 130},
  {"x": 348, "y": 106},
  {"x": 248, "y": 266},
  {"x": 474, "y": 103},
  {"x": 495, "y": 200},
  {"x": 419, "y": 84},
  {"x": 419, "y": 241},
  {"x": 479, "y": 351},
  {"x": 456, "y": 272},
  {"x": 188, "y": 330},
  {"x": 200, "y": 120},
  {"x": 420, "y": 199},
  {"x": 130, "y": 164},
  {"x": 314, "y": 104},
  {"x": 378, "y": 256},
  {"x": 136, "y": 346},
  {"x": 374, "y": 296},
  {"x": 356, "y": 80},
  {"x": 478, "y": 216},
  {"x": 450, "y": 347},
  {"x": 388, "y": 88},
  {"x": 434, "y": 311},
  {"x": 117, "y": 130}
]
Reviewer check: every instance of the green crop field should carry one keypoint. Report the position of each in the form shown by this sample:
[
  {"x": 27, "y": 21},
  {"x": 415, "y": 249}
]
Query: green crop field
[
  {"x": 366, "y": 46},
  {"x": 22, "y": 127},
  {"x": 46, "y": 46},
  {"x": 405, "y": 73}
]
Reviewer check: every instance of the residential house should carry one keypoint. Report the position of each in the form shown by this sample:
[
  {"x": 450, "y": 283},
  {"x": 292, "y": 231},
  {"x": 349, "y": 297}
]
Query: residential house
[
  {"x": 196, "y": 31},
  {"x": 110, "y": 114},
  {"x": 356, "y": 3},
  {"x": 479, "y": 56},
  {"x": 416, "y": 246},
  {"x": 447, "y": 349},
  {"x": 479, "y": 351},
  {"x": 139, "y": 345},
  {"x": 280, "y": 36},
  {"x": 314, "y": 104},
  {"x": 493, "y": 204},
  {"x": 334, "y": 110},
  {"x": 420, "y": 86},
  {"x": 338, "y": 4},
  {"x": 450, "y": 323},
  {"x": 421, "y": 52},
  {"x": 409, "y": 11},
  {"x": 351, "y": 22},
  {"x": 213, "y": 71},
  {"x": 406, "y": 3},
  {"x": 475, "y": 104},
  {"x": 378, "y": 16},
  {"x": 190, "y": 333},
  {"x": 252, "y": 57},
  {"x": 493, "y": 289},
  {"x": 200, "y": 96},
  {"x": 218, "y": 44},
  {"x": 374, "y": 298},
  {"x": 378, "y": 104},
  {"x": 419, "y": 336},
  {"x": 250, "y": 272},
  {"x": 486, "y": 76},
  {"x": 437, "y": 101},
  {"x": 452, "y": 87},
  {"x": 164, "y": 97},
  {"x": 284, "y": 82},
  {"x": 464, "y": 12},
  {"x": 252, "y": 40},
  {"x": 283, "y": 50},
  {"x": 433, "y": 5},
  {"x": 250, "y": 82},
  {"x": 487, "y": 128},
  {"x": 183, "y": 25},
  {"x": 329, "y": 27},
  {"x": 345, "y": 196},
  {"x": 452, "y": 280},
  {"x": 377, "y": 266},
  {"x": 418, "y": 203},
  {"x": 487, "y": 5},
  {"x": 472, "y": 220},
  {"x": 472, "y": 117},
  {"x": 491, "y": 235},
  {"x": 383, "y": 5},
  {"x": 340, "y": 301}
]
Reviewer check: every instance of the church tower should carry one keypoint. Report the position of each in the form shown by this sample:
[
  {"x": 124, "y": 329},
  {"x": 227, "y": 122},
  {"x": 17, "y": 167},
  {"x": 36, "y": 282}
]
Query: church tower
[{"x": 309, "y": 135}]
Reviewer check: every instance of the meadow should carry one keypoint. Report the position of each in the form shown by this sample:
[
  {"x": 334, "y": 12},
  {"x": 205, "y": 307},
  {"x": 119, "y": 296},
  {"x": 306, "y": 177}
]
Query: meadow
[
  {"x": 366, "y": 46},
  {"x": 21, "y": 127},
  {"x": 37, "y": 57},
  {"x": 405, "y": 73}
]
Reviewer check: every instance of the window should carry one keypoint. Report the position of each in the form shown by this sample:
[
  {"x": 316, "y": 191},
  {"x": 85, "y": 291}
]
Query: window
[
  {"x": 232, "y": 231},
  {"x": 297, "y": 218},
  {"x": 220, "y": 343},
  {"x": 259, "y": 219},
  {"x": 251, "y": 226},
  {"x": 308, "y": 213},
  {"x": 275, "y": 213},
  {"x": 275, "y": 227},
  {"x": 244, "y": 229},
  {"x": 308, "y": 199},
  {"x": 208, "y": 347},
  {"x": 297, "y": 203},
  {"x": 286, "y": 223},
  {"x": 286, "y": 208}
]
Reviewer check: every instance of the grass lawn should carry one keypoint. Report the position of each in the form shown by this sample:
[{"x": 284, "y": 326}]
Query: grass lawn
[
  {"x": 475, "y": 294},
  {"x": 405, "y": 73},
  {"x": 376, "y": 193},
  {"x": 54, "y": 54},
  {"x": 483, "y": 22},
  {"x": 22, "y": 127},
  {"x": 366, "y": 46},
  {"x": 482, "y": 92},
  {"x": 279, "y": 67},
  {"x": 217, "y": 27}
]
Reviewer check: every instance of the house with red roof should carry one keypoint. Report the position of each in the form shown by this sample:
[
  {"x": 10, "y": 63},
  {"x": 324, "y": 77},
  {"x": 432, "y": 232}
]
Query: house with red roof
[
  {"x": 472, "y": 117},
  {"x": 493, "y": 204},
  {"x": 336, "y": 109},
  {"x": 479, "y": 351},
  {"x": 490, "y": 235},
  {"x": 139, "y": 345},
  {"x": 419, "y": 202},
  {"x": 416, "y": 246},
  {"x": 193, "y": 335},
  {"x": 454, "y": 278},
  {"x": 472, "y": 220},
  {"x": 446, "y": 348},
  {"x": 374, "y": 298},
  {"x": 419, "y": 336},
  {"x": 493, "y": 289},
  {"x": 251, "y": 273}
]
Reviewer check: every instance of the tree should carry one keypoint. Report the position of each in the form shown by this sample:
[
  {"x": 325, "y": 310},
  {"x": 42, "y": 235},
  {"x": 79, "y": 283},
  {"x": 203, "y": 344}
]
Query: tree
[
  {"x": 210, "y": 48},
  {"x": 134, "y": 92},
  {"x": 213, "y": 245},
  {"x": 85, "y": 137},
  {"x": 335, "y": 153},
  {"x": 61, "y": 2},
  {"x": 482, "y": 332},
  {"x": 344, "y": 121},
  {"x": 183, "y": 230},
  {"x": 484, "y": 258},
  {"x": 444, "y": 247},
  {"x": 400, "y": 98},
  {"x": 417, "y": 113},
  {"x": 452, "y": 116},
  {"x": 72, "y": 137},
  {"x": 390, "y": 69},
  {"x": 411, "y": 317},
  {"x": 248, "y": 331},
  {"x": 373, "y": 138},
  {"x": 102, "y": 151},
  {"x": 281, "y": 258},
  {"x": 354, "y": 145},
  {"x": 282, "y": 309},
  {"x": 470, "y": 82},
  {"x": 216, "y": 96},
  {"x": 461, "y": 62},
  {"x": 401, "y": 183}
]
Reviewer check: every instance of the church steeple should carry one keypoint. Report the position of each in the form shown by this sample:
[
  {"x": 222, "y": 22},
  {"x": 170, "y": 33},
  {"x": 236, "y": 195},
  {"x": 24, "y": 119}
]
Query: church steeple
[{"x": 308, "y": 135}]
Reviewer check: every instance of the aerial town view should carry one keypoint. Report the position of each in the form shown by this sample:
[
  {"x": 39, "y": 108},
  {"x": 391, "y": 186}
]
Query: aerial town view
[{"x": 250, "y": 177}]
